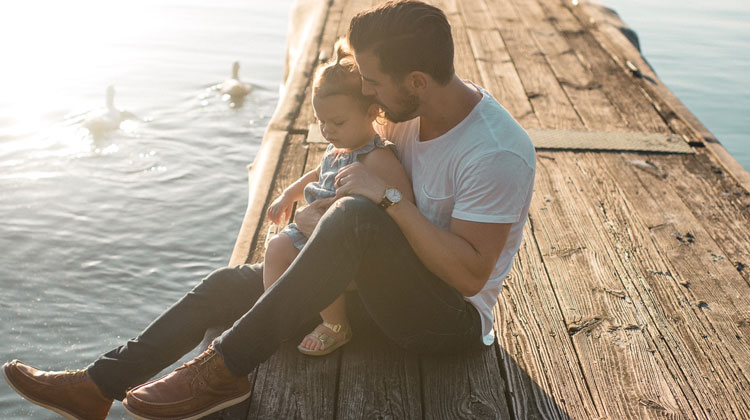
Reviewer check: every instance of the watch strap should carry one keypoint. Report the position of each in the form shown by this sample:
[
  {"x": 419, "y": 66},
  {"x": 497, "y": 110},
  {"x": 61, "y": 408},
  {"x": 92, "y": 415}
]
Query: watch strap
[{"x": 385, "y": 203}]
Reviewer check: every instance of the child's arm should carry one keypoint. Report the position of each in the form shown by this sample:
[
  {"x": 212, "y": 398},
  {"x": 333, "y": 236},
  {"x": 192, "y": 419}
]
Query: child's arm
[{"x": 281, "y": 208}]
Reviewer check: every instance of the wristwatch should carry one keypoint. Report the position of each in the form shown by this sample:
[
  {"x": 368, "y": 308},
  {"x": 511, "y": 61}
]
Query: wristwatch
[{"x": 391, "y": 197}]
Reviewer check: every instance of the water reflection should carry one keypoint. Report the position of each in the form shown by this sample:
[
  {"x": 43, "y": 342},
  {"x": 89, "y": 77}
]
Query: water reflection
[{"x": 99, "y": 234}]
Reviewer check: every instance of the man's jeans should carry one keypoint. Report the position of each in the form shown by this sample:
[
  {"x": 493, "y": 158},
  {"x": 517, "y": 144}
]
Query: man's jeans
[{"x": 355, "y": 240}]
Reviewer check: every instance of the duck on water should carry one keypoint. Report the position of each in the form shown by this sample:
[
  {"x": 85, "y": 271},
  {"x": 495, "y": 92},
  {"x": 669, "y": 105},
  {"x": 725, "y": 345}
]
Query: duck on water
[
  {"x": 108, "y": 119},
  {"x": 233, "y": 89}
]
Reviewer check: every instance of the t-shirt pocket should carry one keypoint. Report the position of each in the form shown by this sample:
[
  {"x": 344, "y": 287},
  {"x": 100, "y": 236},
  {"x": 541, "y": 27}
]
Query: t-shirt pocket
[{"x": 436, "y": 207}]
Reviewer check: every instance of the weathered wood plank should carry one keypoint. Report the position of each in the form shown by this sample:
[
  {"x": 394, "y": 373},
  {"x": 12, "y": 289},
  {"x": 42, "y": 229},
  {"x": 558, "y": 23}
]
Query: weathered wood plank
[
  {"x": 650, "y": 280},
  {"x": 579, "y": 84},
  {"x": 721, "y": 205},
  {"x": 235, "y": 412},
  {"x": 351, "y": 8},
  {"x": 378, "y": 379},
  {"x": 292, "y": 386},
  {"x": 542, "y": 368},
  {"x": 550, "y": 103},
  {"x": 618, "y": 86},
  {"x": 498, "y": 74},
  {"x": 704, "y": 289},
  {"x": 464, "y": 386},
  {"x": 463, "y": 57},
  {"x": 314, "y": 156},
  {"x": 626, "y": 378}
]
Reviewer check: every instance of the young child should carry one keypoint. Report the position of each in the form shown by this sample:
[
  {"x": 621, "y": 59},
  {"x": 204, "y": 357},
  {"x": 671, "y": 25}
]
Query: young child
[{"x": 346, "y": 120}]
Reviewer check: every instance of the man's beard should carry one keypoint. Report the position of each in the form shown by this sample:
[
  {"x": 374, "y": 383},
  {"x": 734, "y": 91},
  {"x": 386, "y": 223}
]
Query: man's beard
[{"x": 408, "y": 105}]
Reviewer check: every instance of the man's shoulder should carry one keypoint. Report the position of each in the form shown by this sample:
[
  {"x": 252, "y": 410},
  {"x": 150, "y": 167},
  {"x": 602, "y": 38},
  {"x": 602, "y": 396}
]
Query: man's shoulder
[{"x": 495, "y": 132}]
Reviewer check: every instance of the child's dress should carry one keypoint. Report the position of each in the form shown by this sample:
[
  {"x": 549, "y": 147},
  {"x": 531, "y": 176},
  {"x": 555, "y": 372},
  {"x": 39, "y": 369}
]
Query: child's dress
[{"x": 333, "y": 161}]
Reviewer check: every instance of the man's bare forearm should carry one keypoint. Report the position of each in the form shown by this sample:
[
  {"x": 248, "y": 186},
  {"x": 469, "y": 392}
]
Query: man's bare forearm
[{"x": 450, "y": 256}]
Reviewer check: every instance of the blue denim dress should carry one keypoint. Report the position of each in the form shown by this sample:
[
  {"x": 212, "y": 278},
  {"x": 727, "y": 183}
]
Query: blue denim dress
[{"x": 333, "y": 161}]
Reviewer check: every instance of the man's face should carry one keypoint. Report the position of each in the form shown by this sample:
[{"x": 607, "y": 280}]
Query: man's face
[{"x": 398, "y": 103}]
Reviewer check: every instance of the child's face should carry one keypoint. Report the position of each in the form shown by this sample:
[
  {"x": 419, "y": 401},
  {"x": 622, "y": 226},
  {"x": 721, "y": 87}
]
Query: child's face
[{"x": 342, "y": 121}]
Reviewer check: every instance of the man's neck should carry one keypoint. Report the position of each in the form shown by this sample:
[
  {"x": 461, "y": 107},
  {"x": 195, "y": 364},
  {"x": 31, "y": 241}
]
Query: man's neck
[{"x": 446, "y": 107}]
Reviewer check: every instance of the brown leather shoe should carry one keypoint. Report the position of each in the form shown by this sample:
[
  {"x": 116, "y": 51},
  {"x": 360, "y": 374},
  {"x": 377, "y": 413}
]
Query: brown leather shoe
[
  {"x": 198, "y": 388},
  {"x": 72, "y": 394}
]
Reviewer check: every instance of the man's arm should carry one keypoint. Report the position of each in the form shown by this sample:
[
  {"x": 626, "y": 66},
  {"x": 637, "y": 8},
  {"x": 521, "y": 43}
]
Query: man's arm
[
  {"x": 383, "y": 163},
  {"x": 463, "y": 257}
]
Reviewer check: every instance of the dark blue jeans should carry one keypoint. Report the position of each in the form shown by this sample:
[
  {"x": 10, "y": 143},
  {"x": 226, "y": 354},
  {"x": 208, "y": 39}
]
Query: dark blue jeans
[{"x": 355, "y": 240}]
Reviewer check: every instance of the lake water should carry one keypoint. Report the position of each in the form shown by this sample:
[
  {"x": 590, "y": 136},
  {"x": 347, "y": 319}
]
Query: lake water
[
  {"x": 701, "y": 51},
  {"x": 98, "y": 236}
]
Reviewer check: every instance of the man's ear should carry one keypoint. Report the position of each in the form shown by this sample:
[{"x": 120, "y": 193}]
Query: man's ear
[{"x": 417, "y": 80}]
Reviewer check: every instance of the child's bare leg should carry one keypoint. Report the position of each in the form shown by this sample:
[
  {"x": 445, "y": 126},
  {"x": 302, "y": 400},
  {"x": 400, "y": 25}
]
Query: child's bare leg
[
  {"x": 334, "y": 314},
  {"x": 279, "y": 256}
]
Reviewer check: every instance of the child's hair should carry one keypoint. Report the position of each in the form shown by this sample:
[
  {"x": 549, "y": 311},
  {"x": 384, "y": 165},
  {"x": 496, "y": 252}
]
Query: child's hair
[{"x": 340, "y": 76}]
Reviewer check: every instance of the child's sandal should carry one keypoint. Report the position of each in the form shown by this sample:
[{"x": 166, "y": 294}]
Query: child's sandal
[{"x": 329, "y": 343}]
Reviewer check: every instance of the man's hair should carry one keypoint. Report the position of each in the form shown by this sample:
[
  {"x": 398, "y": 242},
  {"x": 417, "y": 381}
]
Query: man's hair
[{"x": 406, "y": 36}]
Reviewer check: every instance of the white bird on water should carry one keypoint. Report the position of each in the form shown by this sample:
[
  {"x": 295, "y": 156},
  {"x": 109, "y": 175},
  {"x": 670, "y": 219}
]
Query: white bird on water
[
  {"x": 234, "y": 87},
  {"x": 108, "y": 119}
]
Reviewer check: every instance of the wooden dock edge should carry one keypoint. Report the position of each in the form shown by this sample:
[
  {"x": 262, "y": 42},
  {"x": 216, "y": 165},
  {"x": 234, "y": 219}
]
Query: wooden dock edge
[
  {"x": 606, "y": 27},
  {"x": 298, "y": 76},
  {"x": 305, "y": 35}
]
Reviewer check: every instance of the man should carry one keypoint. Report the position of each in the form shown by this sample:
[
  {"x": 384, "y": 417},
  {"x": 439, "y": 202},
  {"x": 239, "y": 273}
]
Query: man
[{"x": 428, "y": 274}]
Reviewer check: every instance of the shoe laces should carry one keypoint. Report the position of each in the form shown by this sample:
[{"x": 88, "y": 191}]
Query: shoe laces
[
  {"x": 72, "y": 375},
  {"x": 195, "y": 366}
]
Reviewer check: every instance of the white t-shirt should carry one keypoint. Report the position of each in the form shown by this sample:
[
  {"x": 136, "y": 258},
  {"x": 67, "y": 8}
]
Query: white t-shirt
[{"x": 482, "y": 170}]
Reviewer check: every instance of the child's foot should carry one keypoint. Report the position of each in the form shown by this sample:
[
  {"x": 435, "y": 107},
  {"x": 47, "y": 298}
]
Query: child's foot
[{"x": 324, "y": 339}]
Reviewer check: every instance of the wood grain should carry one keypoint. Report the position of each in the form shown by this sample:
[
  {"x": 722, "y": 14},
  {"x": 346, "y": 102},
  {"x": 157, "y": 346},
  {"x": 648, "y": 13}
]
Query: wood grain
[
  {"x": 541, "y": 365},
  {"x": 606, "y": 324},
  {"x": 292, "y": 386},
  {"x": 550, "y": 103},
  {"x": 579, "y": 83},
  {"x": 378, "y": 379},
  {"x": 463, "y": 57},
  {"x": 496, "y": 69},
  {"x": 617, "y": 85},
  {"x": 468, "y": 385}
]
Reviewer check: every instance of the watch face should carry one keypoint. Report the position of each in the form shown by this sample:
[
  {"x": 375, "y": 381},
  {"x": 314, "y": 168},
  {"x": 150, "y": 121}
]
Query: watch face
[{"x": 393, "y": 195}]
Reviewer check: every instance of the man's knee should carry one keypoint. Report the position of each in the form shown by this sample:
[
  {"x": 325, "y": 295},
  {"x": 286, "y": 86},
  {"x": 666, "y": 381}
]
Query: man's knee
[{"x": 224, "y": 280}]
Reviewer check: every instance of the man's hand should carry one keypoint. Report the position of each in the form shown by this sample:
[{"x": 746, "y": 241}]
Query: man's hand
[
  {"x": 307, "y": 218},
  {"x": 357, "y": 179}
]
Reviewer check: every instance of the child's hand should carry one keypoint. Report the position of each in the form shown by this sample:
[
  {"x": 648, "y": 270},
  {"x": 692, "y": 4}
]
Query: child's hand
[{"x": 280, "y": 210}]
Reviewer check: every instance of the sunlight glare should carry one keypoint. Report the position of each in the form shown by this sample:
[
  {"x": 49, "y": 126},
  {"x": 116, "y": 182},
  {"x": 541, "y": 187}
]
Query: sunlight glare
[{"x": 53, "y": 53}]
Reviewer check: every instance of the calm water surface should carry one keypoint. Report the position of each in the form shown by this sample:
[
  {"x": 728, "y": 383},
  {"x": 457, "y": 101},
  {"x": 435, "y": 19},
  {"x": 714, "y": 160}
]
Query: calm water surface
[
  {"x": 701, "y": 51},
  {"x": 98, "y": 236}
]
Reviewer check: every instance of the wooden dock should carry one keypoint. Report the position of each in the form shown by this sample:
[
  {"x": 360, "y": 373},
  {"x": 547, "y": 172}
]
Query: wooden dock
[{"x": 630, "y": 296}]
